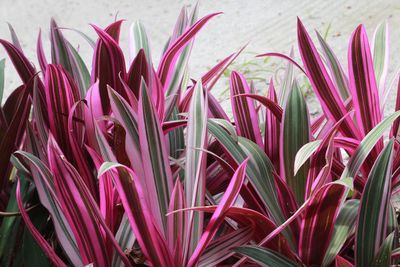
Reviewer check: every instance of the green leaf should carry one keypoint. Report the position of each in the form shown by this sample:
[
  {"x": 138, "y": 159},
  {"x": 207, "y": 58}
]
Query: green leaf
[
  {"x": 45, "y": 187},
  {"x": 344, "y": 227},
  {"x": 373, "y": 212},
  {"x": 381, "y": 53},
  {"x": 124, "y": 113},
  {"x": 81, "y": 72},
  {"x": 125, "y": 238},
  {"x": 154, "y": 156},
  {"x": 287, "y": 81},
  {"x": 295, "y": 134},
  {"x": 383, "y": 259},
  {"x": 14, "y": 37},
  {"x": 221, "y": 247},
  {"x": 366, "y": 145},
  {"x": 265, "y": 257},
  {"x": 195, "y": 168},
  {"x": 259, "y": 168},
  {"x": 335, "y": 68},
  {"x": 31, "y": 252},
  {"x": 176, "y": 137},
  {"x": 304, "y": 154},
  {"x": 227, "y": 126},
  {"x": 138, "y": 40},
  {"x": 9, "y": 226}
]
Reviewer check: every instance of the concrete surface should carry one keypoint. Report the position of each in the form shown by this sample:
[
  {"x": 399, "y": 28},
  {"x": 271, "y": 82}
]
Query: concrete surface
[{"x": 268, "y": 25}]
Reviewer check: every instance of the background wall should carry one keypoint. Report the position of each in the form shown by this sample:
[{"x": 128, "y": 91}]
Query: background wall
[{"x": 268, "y": 25}]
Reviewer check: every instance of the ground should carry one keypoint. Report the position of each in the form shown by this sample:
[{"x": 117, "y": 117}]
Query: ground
[{"x": 267, "y": 25}]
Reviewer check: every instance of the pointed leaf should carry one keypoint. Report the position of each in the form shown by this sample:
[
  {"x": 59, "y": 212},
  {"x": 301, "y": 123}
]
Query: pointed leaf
[
  {"x": 322, "y": 84},
  {"x": 366, "y": 145},
  {"x": 140, "y": 218},
  {"x": 261, "y": 184},
  {"x": 108, "y": 63},
  {"x": 295, "y": 134},
  {"x": 35, "y": 233},
  {"x": 380, "y": 49},
  {"x": 154, "y": 157},
  {"x": 228, "y": 199},
  {"x": 195, "y": 168},
  {"x": 170, "y": 56},
  {"x": 335, "y": 68},
  {"x": 243, "y": 109},
  {"x": 265, "y": 257},
  {"x": 344, "y": 227},
  {"x": 362, "y": 81},
  {"x": 383, "y": 259},
  {"x": 138, "y": 40},
  {"x": 317, "y": 226},
  {"x": 373, "y": 211}
]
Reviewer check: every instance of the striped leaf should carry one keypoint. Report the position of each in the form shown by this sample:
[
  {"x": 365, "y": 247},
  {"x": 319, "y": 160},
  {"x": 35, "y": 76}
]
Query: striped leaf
[
  {"x": 125, "y": 238},
  {"x": 318, "y": 223},
  {"x": 269, "y": 104},
  {"x": 304, "y": 154},
  {"x": 344, "y": 227},
  {"x": 342, "y": 262},
  {"x": 138, "y": 70},
  {"x": 373, "y": 211},
  {"x": 335, "y": 68},
  {"x": 295, "y": 134},
  {"x": 64, "y": 54},
  {"x": 383, "y": 259},
  {"x": 41, "y": 241},
  {"x": 40, "y": 52},
  {"x": 340, "y": 187},
  {"x": 265, "y": 257},
  {"x": 183, "y": 22},
  {"x": 170, "y": 56},
  {"x": 328, "y": 96},
  {"x": 128, "y": 118},
  {"x": 14, "y": 132},
  {"x": 108, "y": 63},
  {"x": 23, "y": 66},
  {"x": 61, "y": 95},
  {"x": 79, "y": 70},
  {"x": 77, "y": 208},
  {"x": 287, "y": 83},
  {"x": 260, "y": 223},
  {"x": 221, "y": 248},
  {"x": 243, "y": 109},
  {"x": 139, "y": 215},
  {"x": 14, "y": 37},
  {"x": 59, "y": 48},
  {"x": 177, "y": 223},
  {"x": 272, "y": 129},
  {"x": 362, "y": 81},
  {"x": 154, "y": 157},
  {"x": 195, "y": 167},
  {"x": 380, "y": 49},
  {"x": 228, "y": 199},
  {"x": 285, "y": 57},
  {"x": 322, "y": 161},
  {"x": 366, "y": 145},
  {"x": 261, "y": 182},
  {"x": 46, "y": 190},
  {"x": 138, "y": 40}
]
